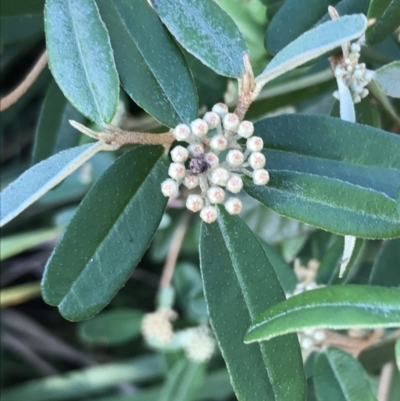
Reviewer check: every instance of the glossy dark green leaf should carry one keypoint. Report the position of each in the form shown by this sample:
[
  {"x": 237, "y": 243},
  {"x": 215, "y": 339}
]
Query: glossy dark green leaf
[
  {"x": 387, "y": 14},
  {"x": 387, "y": 78},
  {"x": 81, "y": 58},
  {"x": 340, "y": 377},
  {"x": 205, "y": 31},
  {"x": 336, "y": 307},
  {"x": 152, "y": 68},
  {"x": 112, "y": 327},
  {"x": 54, "y": 133},
  {"x": 239, "y": 282},
  {"x": 386, "y": 269},
  {"x": 108, "y": 235},
  {"x": 326, "y": 172}
]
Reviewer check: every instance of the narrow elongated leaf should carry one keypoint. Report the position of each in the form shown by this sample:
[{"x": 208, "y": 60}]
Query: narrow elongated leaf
[
  {"x": 336, "y": 307},
  {"x": 42, "y": 177},
  {"x": 54, "y": 133},
  {"x": 388, "y": 78},
  {"x": 340, "y": 377},
  {"x": 397, "y": 350},
  {"x": 80, "y": 57},
  {"x": 205, "y": 31},
  {"x": 326, "y": 172},
  {"x": 387, "y": 14},
  {"x": 314, "y": 43},
  {"x": 151, "y": 66},
  {"x": 109, "y": 233},
  {"x": 239, "y": 282}
]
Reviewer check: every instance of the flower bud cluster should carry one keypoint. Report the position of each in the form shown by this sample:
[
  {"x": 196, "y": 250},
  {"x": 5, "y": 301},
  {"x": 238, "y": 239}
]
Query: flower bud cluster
[
  {"x": 200, "y": 163},
  {"x": 199, "y": 345},
  {"x": 157, "y": 328}
]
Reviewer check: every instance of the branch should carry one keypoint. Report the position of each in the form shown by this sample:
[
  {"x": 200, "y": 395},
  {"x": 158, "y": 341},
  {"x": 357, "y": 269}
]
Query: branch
[{"x": 384, "y": 383}]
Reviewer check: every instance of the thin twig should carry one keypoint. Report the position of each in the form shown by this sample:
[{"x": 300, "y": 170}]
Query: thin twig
[
  {"x": 384, "y": 383},
  {"x": 173, "y": 254},
  {"x": 11, "y": 98}
]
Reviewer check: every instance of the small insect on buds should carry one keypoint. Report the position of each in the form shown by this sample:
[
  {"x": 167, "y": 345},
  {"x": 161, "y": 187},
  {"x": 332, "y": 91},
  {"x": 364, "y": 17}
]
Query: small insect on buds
[
  {"x": 234, "y": 184},
  {"x": 182, "y": 132},
  {"x": 194, "y": 203},
  {"x": 233, "y": 206},
  {"x": 179, "y": 154},
  {"x": 212, "y": 119},
  {"x": 260, "y": 177},
  {"x": 255, "y": 144},
  {"x": 196, "y": 149},
  {"x": 220, "y": 176},
  {"x": 199, "y": 127},
  {"x": 218, "y": 143},
  {"x": 257, "y": 160},
  {"x": 216, "y": 194},
  {"x": 231, "y": 122},
  {"x": 221, "y": 109},
  {"x": 212, "y": 160},
  {"x": 246, "y": 129},
  {"x": 177, "y": 171},
  {"x": 209, "y": 214},
  {"x": 235, "y": 157},
  {"x": 191, "y": 181},
  {"x": 169, "y": 187}
]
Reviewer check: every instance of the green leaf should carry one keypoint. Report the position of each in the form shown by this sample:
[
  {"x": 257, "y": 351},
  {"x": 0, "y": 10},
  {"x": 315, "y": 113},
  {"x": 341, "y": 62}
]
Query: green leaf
[
  {"x": 387, "y": 14},
  {"x": 112, "y": 327},
  {"x": 335, "y": 307},
  {"x": 387, "y": 78},
  {"x": 326, "y": 172},
  {"x": 54, "y": 133},
  {"x": 42, "y": 177},
  {"x": 312, "y": 44},
  {"x": 397, "y": 351},
  {"x": 80, "y": 57},
  {"x": 386, "y": 269},
  {"x": 152, "y": 68},
  {"x": 340, "y": 377},
  {"x": 205, "y": 31},
  {"x": 239, "y": 282},
  {"x": 109, "y": 234}
]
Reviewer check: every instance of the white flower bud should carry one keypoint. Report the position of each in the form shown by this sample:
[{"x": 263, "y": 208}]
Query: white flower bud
[
  {"x": 209, "y": 214},
  {"x": 191, "y": 181},
  {"x": 368, "y": 76},
  {"x": 319, "y": 336},
  {"x": 364, "y": 93},
  {"x": 260, "y": 177},
  {"x": 212, "y": 119},
  {"x": 169, "y": 187},
  {"x": 199, "y": 127},
  {"x": 336, "y": 95},
  {"x": 246, "y": 129},
  {"x": 257, "y": 160},
  {"x": 221, "y": 109},
  {"x": 358, "y": 74},
  {"x": 182, "y": 132},
  {"x": 355, "y": 47},
  {"x": 356, "y": 98},
  {"x": 179, "y": 154},
  {"x": 234, "y": 184},
  {"x": 177, "y": 171},
  {"x": 218, "y": 142},
  {"x": 339, "y": 72},
  {"x": 216, "y": 194},
  {"x": 231, "y": 122},
  {"x": 194, "y": 203},
  {"x": 212, "y": 159},
  {"x": 255, "y": 144},
  {"x": 196, "y": 149},
  {"x": 347, "y": 61},
  {"x": 220, "y": 176},
  {"x": 233, "y": 206},
  {"x": 235, "y": 157},
  {"x": 306, "y": 343},
  {"x": 349, "y": 68},
  {"x": 199, "y": 345}
]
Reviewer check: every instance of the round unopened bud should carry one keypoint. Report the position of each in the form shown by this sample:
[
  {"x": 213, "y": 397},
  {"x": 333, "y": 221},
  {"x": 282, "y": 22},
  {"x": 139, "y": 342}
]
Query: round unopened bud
[
  {"x": 319, "y": 336},
  {"x": 234, "y": 184},
  {"x": 355, "y": 47},
  {"x": 169, "y": 187},
  {"x": 356, "y": 98},
  {"x": 358, "y": 74},
  {"x": 220, "y": 176},
  {"x": 233, "y": 206},
  {"x": 246, "y": 129},
  {"x": 194, "y": 203},
  {"x": 182, "y": 132},
  {"x": 216, "y": 194},
  {"x": 218, "y": 142},
  {"x": 199, "y": 127},
  {"x": 364, "y": 93},
  {"x": 368, "y": 76},
  {"x": 260, "y": 177},
  {"x": 191, "y": 181},
  {"x": 231, "y": 122},
  {"x": 255, "y": 144},
  {"x": 177, "y": 171},
  {"x": 221, "y": 109},
  {"x": 336, "y": 95},
  {"x": 235, "y": 157},
  {"x": 199, "y": 345},
  {"x": 257, "y": 160},
  {"x": 212, "y": 119},
  {"x": 209, "y": 214},
  {"x": 306, "y": 343},
  {"x": 349, "y": 68},
  {"x": 339, "y": 72},
  {"x": 179, "y": 154},
  {"x": 196, "y": 149},
  {"x": 212, "y": 159}
]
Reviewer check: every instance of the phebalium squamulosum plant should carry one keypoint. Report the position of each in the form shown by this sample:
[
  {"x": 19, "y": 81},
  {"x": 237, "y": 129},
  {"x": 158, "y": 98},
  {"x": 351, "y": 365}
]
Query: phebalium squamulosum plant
[{"x": 292, "y": 103}]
